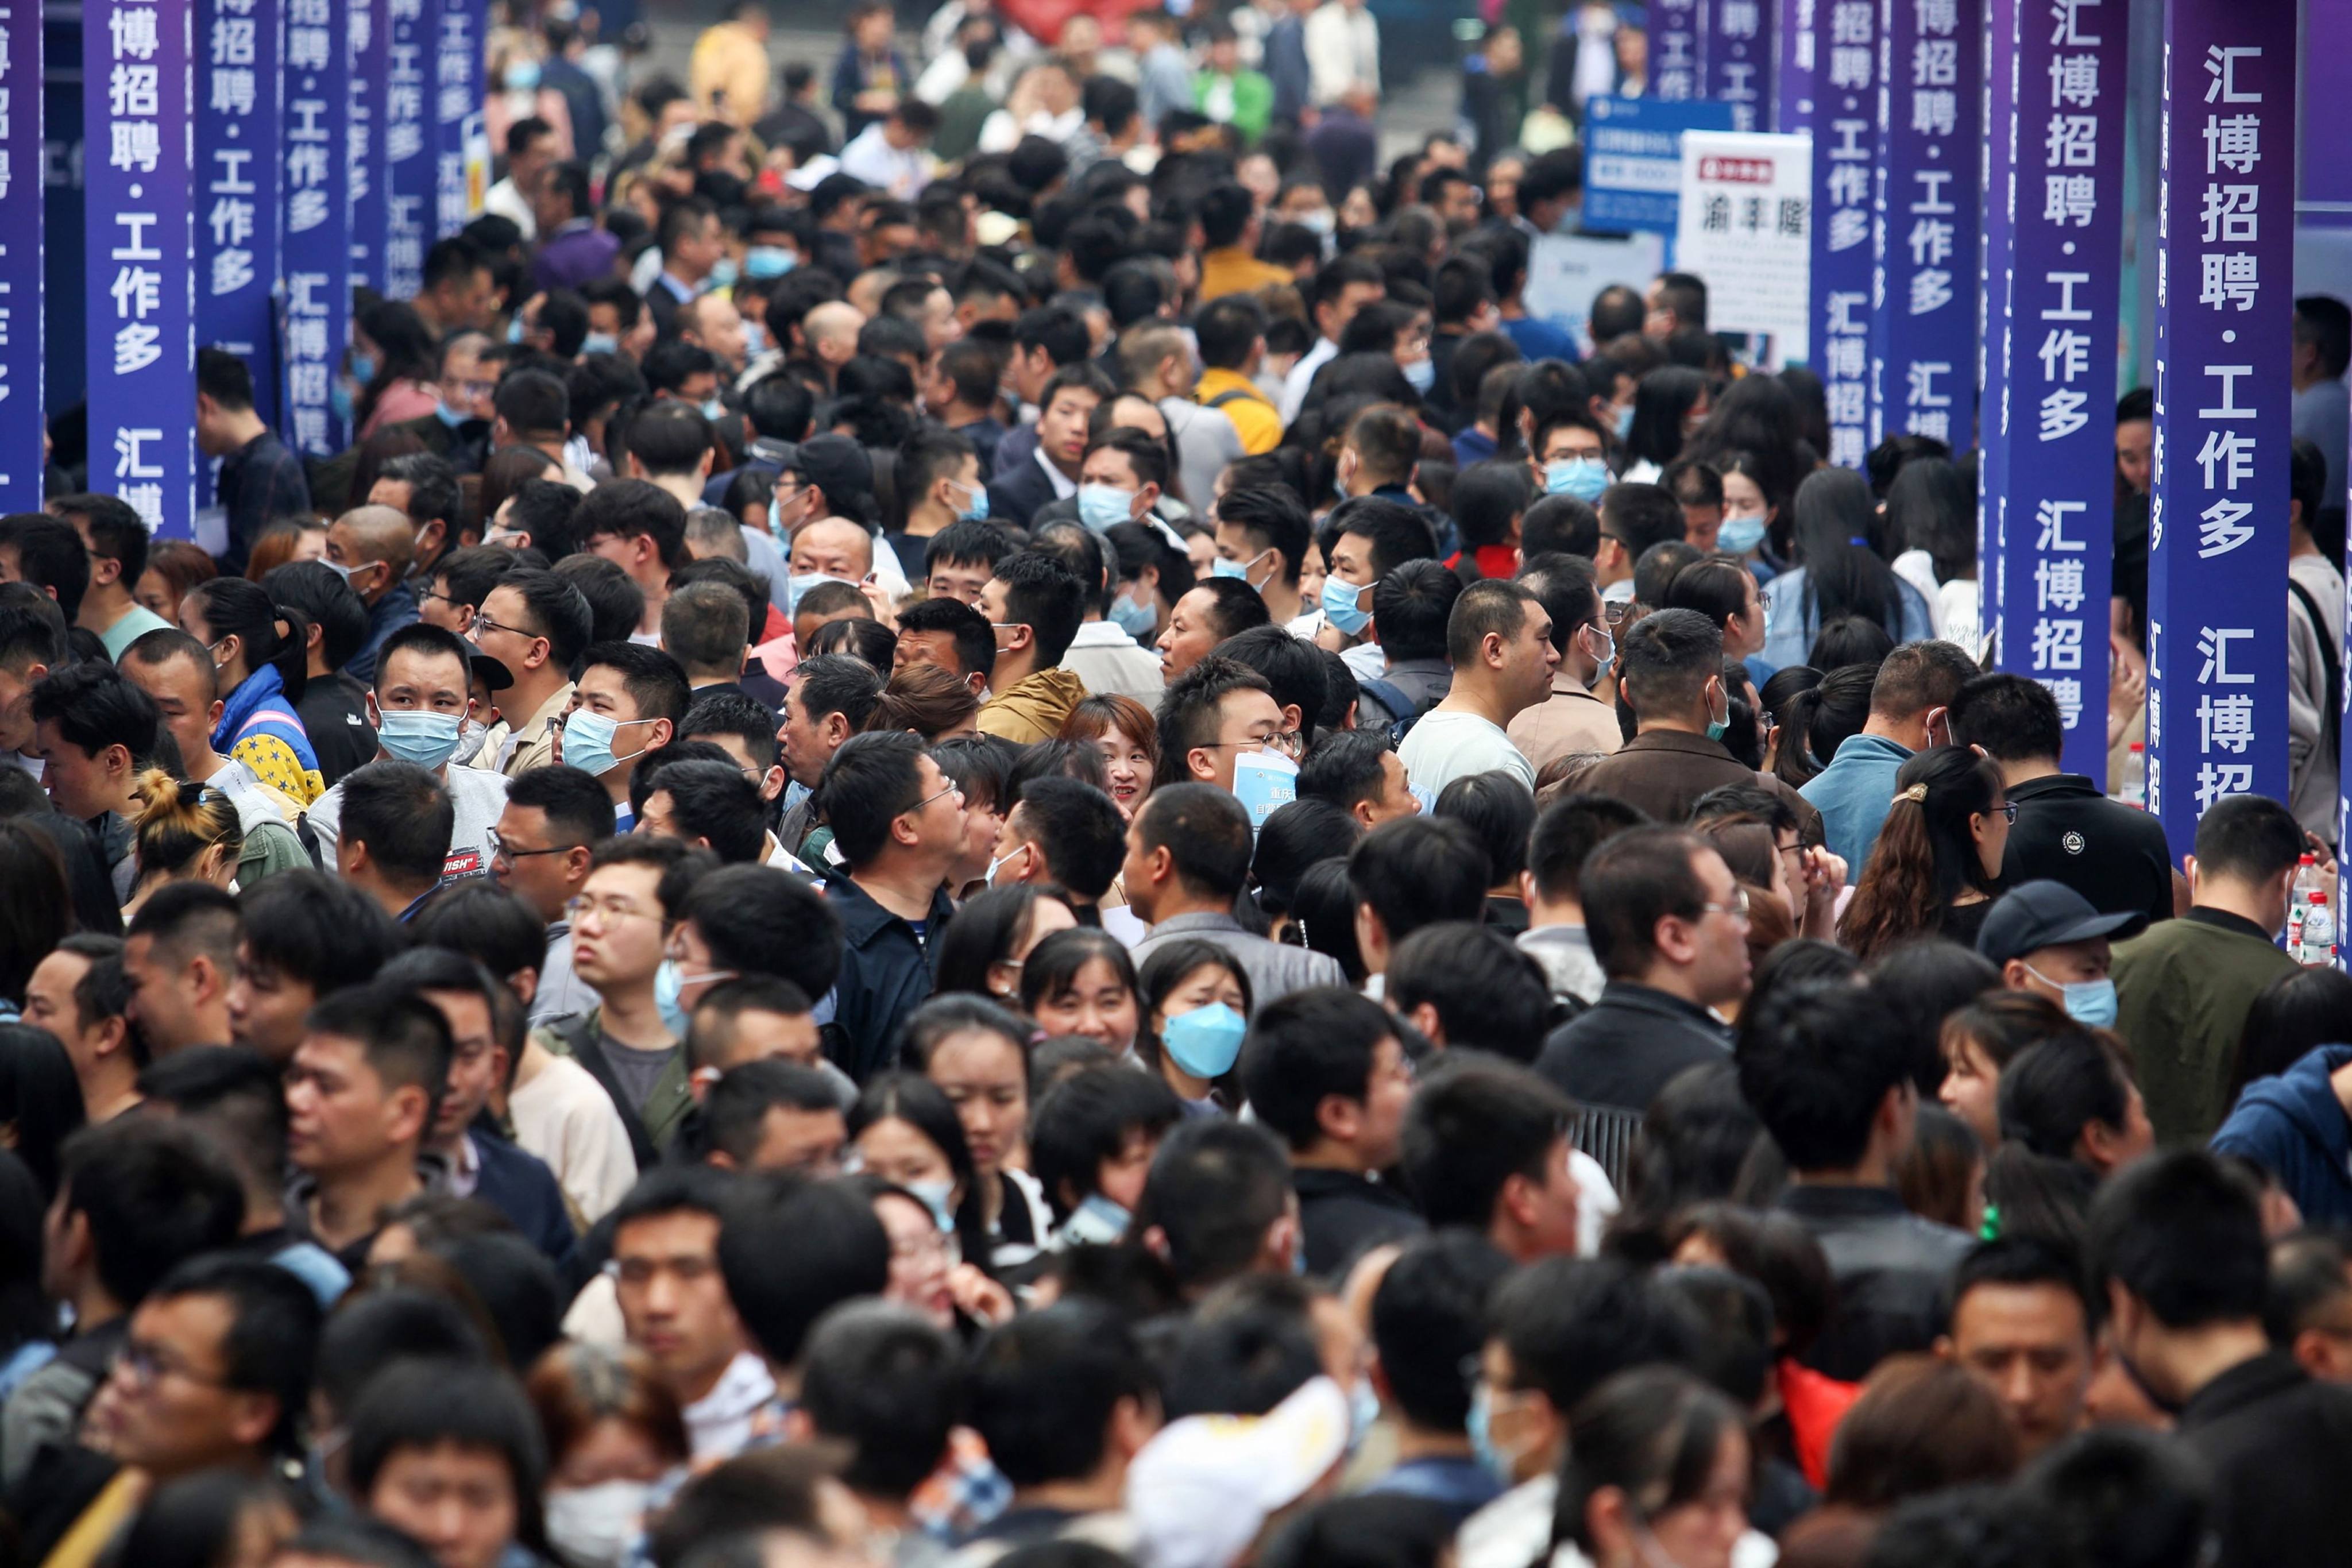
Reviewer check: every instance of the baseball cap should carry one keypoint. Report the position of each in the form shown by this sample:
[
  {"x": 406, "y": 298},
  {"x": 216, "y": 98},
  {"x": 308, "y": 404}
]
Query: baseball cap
[
  {"x": 492, "y": 670},
  {"x": 1203, "y": 1489},
  {"x": 2035, "y": 915}
]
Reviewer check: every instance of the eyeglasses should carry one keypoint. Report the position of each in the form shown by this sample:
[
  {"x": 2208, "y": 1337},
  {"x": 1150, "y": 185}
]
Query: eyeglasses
[
  {"x": 2008, "y": 810},
  {"x": 502, "y": 850},
  {"x": 482, "y": 623},
  {"x": 1736, "y": 909},
  {"x": 146, "y": 1365},
  {"x": 1289, "y": 742},
  {"x": 955, "y": 790}
]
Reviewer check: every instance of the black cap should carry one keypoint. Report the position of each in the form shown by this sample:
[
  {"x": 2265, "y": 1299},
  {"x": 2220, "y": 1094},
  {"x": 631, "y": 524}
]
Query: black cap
[
  {"x": 492, "y": 670},
  {"x": 2035, "y": 915}
]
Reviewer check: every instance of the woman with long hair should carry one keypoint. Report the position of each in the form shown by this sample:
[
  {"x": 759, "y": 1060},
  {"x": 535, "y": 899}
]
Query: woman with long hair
[
  {"x": 261, "y": 650},
  {"x": 904, "y": 1130},
  {"x": 393, "y": 363},
  {"x": 978, "y": 1055},
  {"x": 1750, "y": 513},
  {"x": 984, "y": 947},
  {"x": 1669, "y": 406},
  {"x": 1840, "y": 571},
  {"x": 1935, "y": 868},
  {"x": 1931, "y": 523},
  {"x": 1657, "y": 1467},
  {"x": 173, "y": 567},
  {"x": 1081, "y": 982}
]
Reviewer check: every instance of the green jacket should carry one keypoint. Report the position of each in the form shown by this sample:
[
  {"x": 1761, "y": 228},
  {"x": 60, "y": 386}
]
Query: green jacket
[
  {"x": 650, "y": 1126},
  {"x": 2182, "y": 992},
  {"x": 1253, "y": 100}
]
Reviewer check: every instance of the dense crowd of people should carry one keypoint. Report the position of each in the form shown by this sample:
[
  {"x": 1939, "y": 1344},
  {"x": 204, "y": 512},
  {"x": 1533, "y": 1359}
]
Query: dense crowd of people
[{"x": 989, "y": 821}]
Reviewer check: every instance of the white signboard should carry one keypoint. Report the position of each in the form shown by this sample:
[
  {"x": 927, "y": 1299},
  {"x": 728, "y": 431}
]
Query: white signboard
[
  {"x": 1746, "y": 227},
  {"x": 1566, "y": 271}
]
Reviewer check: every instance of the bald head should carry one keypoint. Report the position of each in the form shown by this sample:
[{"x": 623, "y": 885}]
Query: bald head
[
  {"x": 832, "y": 331},
  {"x": 377, "y": 533},
  {"x": 835, "y": 547}
]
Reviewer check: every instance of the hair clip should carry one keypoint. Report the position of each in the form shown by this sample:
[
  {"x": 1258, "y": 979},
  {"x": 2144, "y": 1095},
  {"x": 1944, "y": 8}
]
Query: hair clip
[{"x": 1916, "y": 795}]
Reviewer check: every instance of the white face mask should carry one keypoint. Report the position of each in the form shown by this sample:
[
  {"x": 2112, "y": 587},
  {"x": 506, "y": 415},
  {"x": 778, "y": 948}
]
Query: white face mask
[{"x": 593, "y": 1527}]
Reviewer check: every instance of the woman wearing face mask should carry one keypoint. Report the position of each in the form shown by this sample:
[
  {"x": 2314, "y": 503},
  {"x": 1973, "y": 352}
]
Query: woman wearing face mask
[
  {"x": 1656, "y": 1474},
  {"x": 1152, "y": 575},
  {"x": 1749, "y": 514},
  {"x": 1668, "y": 404},
  {"x": 1196, "y": 1008},
  {"x": 1931, "y": 517},
  {"x": 1082, "y": 983},
  {"x": 1124, "y": 733},
  {"x": 392, "y": 363},
  {"x": 614, "y": 1432},
  {"x": 520, "y": 94},
  {"x": 905, "y": 1130},
  {"x": 260, "y": 652},
  {"x": 988, "y": 943},
  {"x": 1936, "y": 867},
  {"x": 978, "y": 1055},
  {"x": 1095, "y": 1132},
  {"x": 1839, "y": 572}
]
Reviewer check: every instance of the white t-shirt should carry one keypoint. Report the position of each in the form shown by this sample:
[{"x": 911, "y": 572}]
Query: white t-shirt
[{"x": 1444, "y": 746}]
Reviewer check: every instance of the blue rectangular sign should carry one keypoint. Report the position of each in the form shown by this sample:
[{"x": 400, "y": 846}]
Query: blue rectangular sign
[
  {"x": 370, "y": 177},
  {"x": 1736, "y": 51},
  {"x": 318, "y": 255},
  {"x": 21, "y": 371},
  {"x": 407, "y": 147},
  {"x": 1634, "y": 161},
  {"x": 240, "y": 45},
  {"x": 1846, "y": 110},
  {"x": 1923, "y": 324}
]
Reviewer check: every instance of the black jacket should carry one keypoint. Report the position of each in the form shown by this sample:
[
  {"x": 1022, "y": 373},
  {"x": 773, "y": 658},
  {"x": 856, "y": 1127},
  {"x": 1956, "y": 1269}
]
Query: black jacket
[
  {"x": 2277, "y": 1444},
  {"x": 333, "y": 711},
  {"x": 1344, "y": 1215},
  {"x": 2069, "y": 832},
  {"x": 1016, "y": 496},
  {"x": 1892, "y": 1268},
  {"x": 886, "y": 973},
  {"x": 1623, "y": 1049},
  {"x": 518, "y": 1185}
]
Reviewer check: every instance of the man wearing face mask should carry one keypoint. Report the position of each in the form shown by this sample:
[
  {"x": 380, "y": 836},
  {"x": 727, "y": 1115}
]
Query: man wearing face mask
[
  {"x": 418, "y": 705},
  {"x": 1572, "y": 722},
  {"x": 2047, "y": 938},
  {"x": 1375, "y": 536},
  {"x": 1672, "y": 677},
  {"x": 628, "y": 701},
  {"x": 1910, "y": 712},
  {"x": 1263, "y": 537},
  {"x": 369, "y": 548}
]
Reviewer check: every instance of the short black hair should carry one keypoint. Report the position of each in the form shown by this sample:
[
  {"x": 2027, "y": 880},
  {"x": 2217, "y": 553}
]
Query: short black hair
[
  {"x": 1046, "y": 1386},
  {"x": 790, "y": 1251},
  {"x": 1487, "y": 992},
  {"x": 557, "y": 609},
  {"x": 117, "y": 533},
  {"x": 616, "y": 603},
  {"x": 1560, "y": 525},
  {"x": 472, "y": 571},
  {"x": 1191, "y": 708},
  {"x": 95, "y": 706},
  {"x": 317, "y": 929},
  {"x": 1667, "y": 659},
  {"x": 733, "y": 713},
  {"x": 1572, "y": 1324},
  {"x": 273, "y": 1331},
  {"x": 1344, "y": 767},
  {"x": 2026, "y": 1260},
  {"x": 224, "y": 378},
  {"x": 2009, "y": 717},
  {"x": 653, "y": 679},
  {"x": 426, "y": 637},
  {"x": 2326, "y": 322},
  {"x": 1214, "y": 1188},
  {"x": 712, "y": 802},
  {"x": 1045, "y": 595},
  {"x": 735, "y": 1111},
  {"x": 1413, "y": 605},
  {"x": 1206, "y": 832},
  {"x": 2183, "y": 1233},
  {"x": 404, "y": 815},
  {"x": 405, "y": 1038},
  {"x": 1305, "y": 1047},
  {"x": 761, "y": 919},
  {"x": 1395, "y": 531},
  {"x": 1272, "y": 519},
  {"x": 975, "y": 643},
  {"x": 1639, "y": 516},
  {"x": 2248, "y": 837},
  {"x": 885, "y": 1380},
  {"x": 484, "y": 923},
  {"x": 1227, "y": 328},
  {"x": 1235, "y": 607},
  {"x": 1569, "y": 829},
  {"x": 433, "y": 491},
  {"x": 1816, "y": 1059},
  {"x": 575, "y": 804},
  {"x": 155, "y": 1193},
  {"x": 32, "y": 630},
  {"x": 1417, "y": 870},
  {"x": 1292, "y": 668},
  {"x": 1429, "y": 1319},
  {"x": 871, "y": 782},
  {"x": 408, "y": 1406},
  {"x": 624, "y": 508},
  {"x": 1088, "y": 1118},
  {"x": 669, "y": 438},
  {"x": 1079, "y": 829},
  {"x": 967, "y": 544},
  {"x": 1473, "y": 1126}
]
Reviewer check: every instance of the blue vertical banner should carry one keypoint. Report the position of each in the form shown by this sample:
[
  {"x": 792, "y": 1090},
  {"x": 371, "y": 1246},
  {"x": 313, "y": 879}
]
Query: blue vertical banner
[
  {"x": 1674, "y": 28},
  {"x": 1736, "y": 54},
  {"x": 1795, "y": 38},
  {"x": 459, "y": 132},
  {"x": 317, "y": 252},
  {"x": 239, "y": 47},
  {"x": 2053, "y": 329},
  {"x": 1923, "y": 324},
  {"x": 1846, "y": 107},
  {"x": 137, "y": 159},
  {"x": 1996, "y": 291},
  {"x": 21, "y": 343},
  {"x": 2216, "y": 515},
  {"x": 370, "y": 177},
  {"x": 407, "y": 147}
]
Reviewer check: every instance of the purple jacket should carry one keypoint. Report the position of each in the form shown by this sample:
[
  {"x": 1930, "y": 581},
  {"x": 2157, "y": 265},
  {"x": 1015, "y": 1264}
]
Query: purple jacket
[{"x": 575, "y": 256}]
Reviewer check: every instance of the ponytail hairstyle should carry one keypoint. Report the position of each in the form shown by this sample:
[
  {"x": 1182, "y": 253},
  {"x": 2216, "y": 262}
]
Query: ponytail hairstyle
[
  {"x": 2050, "y": 1091},
  {"x": 1788, "y": 698},
  {"x": 1654, "y": 1434},
  {"x": 178, "y": 823},
  {"x": 271, "y": 634},
  {"x": 1925, "y": 857}
]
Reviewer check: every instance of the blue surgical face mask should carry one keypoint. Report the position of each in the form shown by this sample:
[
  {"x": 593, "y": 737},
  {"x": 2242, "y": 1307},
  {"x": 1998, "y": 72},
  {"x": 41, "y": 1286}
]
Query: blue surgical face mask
[
  {"x": 795, "y": 792},
  {"x": 935, "y": 1197},
  {"x": 768, "y": 261},
  {"x": 723, "y": 273},
  {"x": 755, "y": 340},
  {"x": 2087, "y": 1001},
  {"x": 514, "y": 330},
  {"x": 339, "y": 399},
  {"x": 450, "y": 416},
  {"x": 427, "y": 738},
  {"x": 716, "y": 408},
  {"x": 1715, "y": 727},
  {"x": 1583, "y": 478},
  {"x": 1625, "y": 422},
  {"x": 1363, "y": 1412},
  {"x": 363, "y": 368},
  {"x": 1606, "y": 661},
  {"x": 668, "y": 984},
  {"x": 1339, "y": 606},
  {"x": 1206, "y": 1041},
  {"x": 1104, "y": 507},
  {"x": 975, "y": 509},
  {"x": 1135, "y": 619},
  {"x": 588, "y": 741},
  {"x": 1738, "y": 536},
  {"x": 1238, "y": 570},
  {"x": 522, "y": 76},
  {"x": 1422, "y": 374},
  {"x": 600, "y": 343},
  {"x": 1105, "y": 1214},
  {"x": 800, "y": 582}
]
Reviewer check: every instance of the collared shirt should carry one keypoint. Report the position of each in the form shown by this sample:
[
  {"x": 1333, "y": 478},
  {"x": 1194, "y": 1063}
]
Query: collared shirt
[
  {"x": 1302, "y": 375},
  {"x": 1572, "y": 724},
  {"x": 532, "y": 744},
  {"x": 1064, "y": 485},
  {"x": 719, "y": 1423},
  {"x": 1234, "y": 270},
  {"x": 1625, "y": 1048}
]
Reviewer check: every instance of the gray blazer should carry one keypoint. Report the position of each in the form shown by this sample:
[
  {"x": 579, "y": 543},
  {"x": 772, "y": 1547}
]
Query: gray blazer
[{"x": 1274, "y": 970}]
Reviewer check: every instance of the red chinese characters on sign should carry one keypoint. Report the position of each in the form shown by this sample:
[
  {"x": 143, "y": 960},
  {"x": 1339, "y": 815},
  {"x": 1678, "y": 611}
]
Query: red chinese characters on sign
[{"x": 1735, "y": 171}]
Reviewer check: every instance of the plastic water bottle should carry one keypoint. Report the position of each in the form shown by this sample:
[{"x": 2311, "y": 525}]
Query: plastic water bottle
[
  {"x": 2134, "y": 792},
  {"x": 2311, "y": 915}
]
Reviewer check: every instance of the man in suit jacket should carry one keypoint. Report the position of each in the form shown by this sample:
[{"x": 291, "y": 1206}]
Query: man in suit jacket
[
  {"x": 1187, "y": 854},
  {"x": 1065, "y": 406}
]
